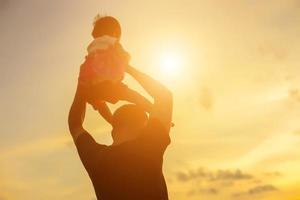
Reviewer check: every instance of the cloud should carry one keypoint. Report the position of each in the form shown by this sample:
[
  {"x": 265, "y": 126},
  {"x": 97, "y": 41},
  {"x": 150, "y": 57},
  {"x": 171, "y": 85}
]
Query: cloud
[
  {"x": 273, "y": 174},
  {"x": 191, "y": 193},
  {"x": 38, "y": 146},
  {"x": 219, "y": 175},
  {"x": 269, "y": 50},
  {"x": 232, "y": 175},
  {"x": 209, "y": 191},
  {"x": 294, "y": 94},
  {"x": 206, "y": 98},
  {"x": 262, "y": 189},
  {"x": 257, "y": 190},
  {"x": 234, "y": 182},
  {"x": 297, "y": 132}
]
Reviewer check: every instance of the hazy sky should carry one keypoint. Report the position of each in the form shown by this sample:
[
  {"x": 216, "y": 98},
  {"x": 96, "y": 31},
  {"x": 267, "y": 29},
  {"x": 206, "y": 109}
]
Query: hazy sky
[{"x": 236, "y": 90}]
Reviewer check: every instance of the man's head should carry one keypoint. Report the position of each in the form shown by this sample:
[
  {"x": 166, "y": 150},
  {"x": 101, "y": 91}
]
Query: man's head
[
  {"x": 106, "y": 26},
  {"x": 127, "y": 122}
]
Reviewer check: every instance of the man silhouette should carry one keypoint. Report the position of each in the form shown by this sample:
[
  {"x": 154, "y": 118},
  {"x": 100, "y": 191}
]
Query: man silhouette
[{"x": 130, "y": 168}]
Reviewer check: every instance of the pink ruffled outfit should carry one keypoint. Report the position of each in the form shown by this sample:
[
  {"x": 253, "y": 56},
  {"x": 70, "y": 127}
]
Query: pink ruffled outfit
[{"x": 106, "y": 61}]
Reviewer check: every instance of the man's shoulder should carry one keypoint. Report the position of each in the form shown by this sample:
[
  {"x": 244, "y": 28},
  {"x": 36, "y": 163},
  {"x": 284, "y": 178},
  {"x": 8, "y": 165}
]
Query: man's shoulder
[
  {"x": 156, "y": 129},
  {"x": 154, "y": 135},
  {"x": 86, "y": 143}
]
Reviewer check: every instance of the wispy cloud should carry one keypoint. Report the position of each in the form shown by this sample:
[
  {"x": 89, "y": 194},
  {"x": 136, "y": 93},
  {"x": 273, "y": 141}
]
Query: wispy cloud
[
  {"x": 219, "y": 175},
  {"x": 226, "y": 183},
  {"x": 297, "y": 132},
  {"x": 294, "y": 94},
  {"x": 262, "y": 189},
  {"x": 257, "y": 190},
  {"x": 273, "y": 174},
  {"x": 206, "y": 98},
  {"x": 37, "y": 146},
  {"x": 209, "y": 191},
  {"x": 271, "y": 51}
]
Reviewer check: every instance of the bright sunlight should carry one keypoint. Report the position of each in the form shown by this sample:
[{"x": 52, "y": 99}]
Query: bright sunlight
[{"x": 170, "y": 63}]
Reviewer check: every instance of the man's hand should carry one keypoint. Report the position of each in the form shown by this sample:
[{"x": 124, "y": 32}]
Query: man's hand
[{"x": 163, "y": 100}]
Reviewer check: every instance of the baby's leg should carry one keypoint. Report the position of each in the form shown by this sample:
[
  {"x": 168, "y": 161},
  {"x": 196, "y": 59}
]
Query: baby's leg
[{"x": 103, "y": 110}]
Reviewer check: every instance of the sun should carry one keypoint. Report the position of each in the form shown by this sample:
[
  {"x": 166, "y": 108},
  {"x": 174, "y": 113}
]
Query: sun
[{"x": 170, "y": 63}]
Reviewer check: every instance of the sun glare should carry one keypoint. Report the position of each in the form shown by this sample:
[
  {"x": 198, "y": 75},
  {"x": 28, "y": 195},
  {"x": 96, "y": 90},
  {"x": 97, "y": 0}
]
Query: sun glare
[{"x": 170, "y": 63}]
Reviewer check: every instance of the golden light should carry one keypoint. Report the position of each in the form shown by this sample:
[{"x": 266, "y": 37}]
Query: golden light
[{"x": 170, "y": 63}]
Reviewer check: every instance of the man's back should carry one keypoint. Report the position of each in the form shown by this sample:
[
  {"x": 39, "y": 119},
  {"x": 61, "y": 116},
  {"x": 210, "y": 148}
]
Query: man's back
[{"x": 131, "y": 170}]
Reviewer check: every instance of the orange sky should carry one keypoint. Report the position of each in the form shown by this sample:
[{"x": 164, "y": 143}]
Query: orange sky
[{"x": 237, "y": 94}]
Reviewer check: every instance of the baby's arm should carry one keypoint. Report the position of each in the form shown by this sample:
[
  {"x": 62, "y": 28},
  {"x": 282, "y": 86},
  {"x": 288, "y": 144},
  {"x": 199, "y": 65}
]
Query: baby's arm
[
  {"x": 130, "y": 96},
  {"x": 104, "y": 111}
]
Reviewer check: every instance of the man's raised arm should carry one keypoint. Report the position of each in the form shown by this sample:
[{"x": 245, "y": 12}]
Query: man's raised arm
[
  {"x": 163, "y": 100},
  {"x": 77, "y": 113}
]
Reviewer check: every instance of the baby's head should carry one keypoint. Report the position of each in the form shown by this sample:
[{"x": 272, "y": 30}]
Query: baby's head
[{"x": 106, "y": 26}]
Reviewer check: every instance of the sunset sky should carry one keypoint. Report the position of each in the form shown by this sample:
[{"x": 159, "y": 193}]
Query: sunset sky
[{"x": 233, "y": 68}]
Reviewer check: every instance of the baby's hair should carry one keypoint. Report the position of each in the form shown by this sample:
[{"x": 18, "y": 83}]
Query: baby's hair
[
  {"x": 106, "y": 25},
  {"x": 97, "y": 17}
]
